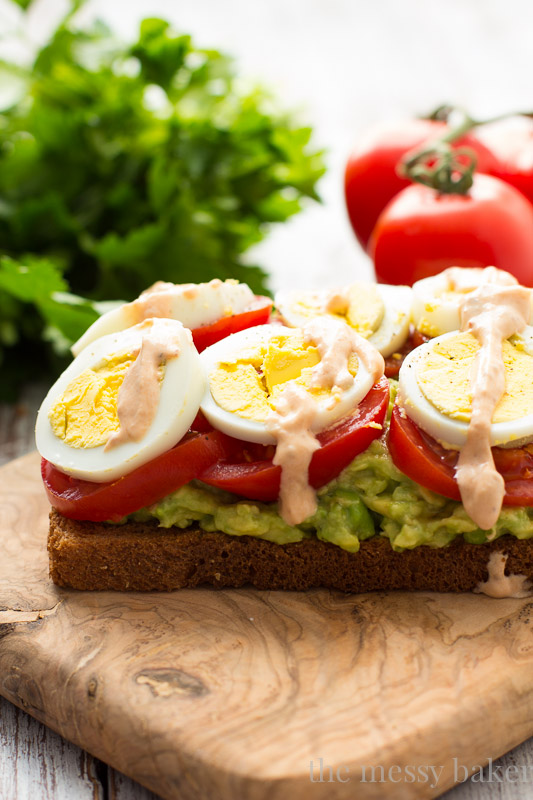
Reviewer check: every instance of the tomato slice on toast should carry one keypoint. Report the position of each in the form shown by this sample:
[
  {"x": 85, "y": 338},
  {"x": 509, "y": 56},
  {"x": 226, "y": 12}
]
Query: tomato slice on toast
[
  {"x": 426, "y": 462},
  {"x": 98, "y": 502},
  {"x": 257, "y": 313},
  {"x": 249, "y": 471}
]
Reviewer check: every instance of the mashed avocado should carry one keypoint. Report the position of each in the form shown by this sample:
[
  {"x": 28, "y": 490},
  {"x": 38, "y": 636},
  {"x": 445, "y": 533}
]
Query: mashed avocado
[
  {"x": 341, "y": 517},
  {"x": 370, "y": 497}
]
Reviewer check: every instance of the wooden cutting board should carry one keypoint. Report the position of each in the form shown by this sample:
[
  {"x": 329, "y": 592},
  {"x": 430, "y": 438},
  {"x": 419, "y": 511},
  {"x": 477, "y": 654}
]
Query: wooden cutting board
[{"x": 231, "y": 694}]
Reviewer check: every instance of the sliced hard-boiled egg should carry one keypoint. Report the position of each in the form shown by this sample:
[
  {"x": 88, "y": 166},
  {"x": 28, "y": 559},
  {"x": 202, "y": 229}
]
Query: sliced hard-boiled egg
[
  {"x": 435, "y": 392},
  {"x": 193, "y": 304},
  {"x": 380, "y": 313},
  {"x": 127, "y": 398},
  {"x": 247, "y": 371},
  {"x": 437, "y": 299}
]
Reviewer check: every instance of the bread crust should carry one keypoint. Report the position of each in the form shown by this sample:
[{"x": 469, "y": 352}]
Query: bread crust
[{"x": 145, "y": 557}]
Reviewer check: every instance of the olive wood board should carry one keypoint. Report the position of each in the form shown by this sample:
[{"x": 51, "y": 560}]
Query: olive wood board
[{"x": 230, "y": 694}]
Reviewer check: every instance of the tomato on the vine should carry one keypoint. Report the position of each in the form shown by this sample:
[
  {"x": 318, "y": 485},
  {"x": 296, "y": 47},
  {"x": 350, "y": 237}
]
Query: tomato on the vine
[
  {"x": 371, "y": 178},
  {"x": 421, "y": 232},
  {"x": 510, "y": 141}
]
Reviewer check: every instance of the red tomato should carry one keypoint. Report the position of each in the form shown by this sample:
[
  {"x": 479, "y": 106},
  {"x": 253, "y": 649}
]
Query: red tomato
[
  {"x": 422, "y": 232},
  {"x": 251, "y": 473},
  {"x": 257, "y": 313},
  {"x": 371, "y": 179},
  {"x": 78, "y": 499},
  {"x": 511, "y": 142},
  {"x": 392, "y": 365},
  {"x": 423, "y": 460}
]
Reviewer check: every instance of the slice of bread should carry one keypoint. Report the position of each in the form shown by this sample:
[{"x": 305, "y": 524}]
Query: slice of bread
[{"x": 144, "y": 557}]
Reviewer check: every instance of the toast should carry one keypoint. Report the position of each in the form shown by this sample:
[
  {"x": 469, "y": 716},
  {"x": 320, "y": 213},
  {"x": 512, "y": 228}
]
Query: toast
[{"x": 144, "y": 557}]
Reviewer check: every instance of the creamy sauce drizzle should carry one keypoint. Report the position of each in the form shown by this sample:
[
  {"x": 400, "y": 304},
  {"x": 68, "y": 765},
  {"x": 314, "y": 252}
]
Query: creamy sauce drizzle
[
  {"x": 138, "y": 396},
  {"x": 492, "y": 313},
  {"x": 156, "y": 301},
  {"x": 293, "y": 417},
  {"x": 501, "y": 585},
  {"x": 464, "y": 280},
  {"x": 336, "y": 302},
  {"x": 336, "y": 342},
  {"x": 291, "y": 424}
]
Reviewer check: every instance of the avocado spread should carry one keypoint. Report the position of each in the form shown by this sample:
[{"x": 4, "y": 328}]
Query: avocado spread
[{"x": 370, "y": 497}]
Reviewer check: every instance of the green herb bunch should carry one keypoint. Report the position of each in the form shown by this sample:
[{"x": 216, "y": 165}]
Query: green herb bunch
[{"x": 122, "y": 165}]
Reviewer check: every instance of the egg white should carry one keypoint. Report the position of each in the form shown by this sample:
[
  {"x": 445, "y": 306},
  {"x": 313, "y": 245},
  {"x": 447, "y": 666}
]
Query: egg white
[
  {"x": 194, "y": 305},
  {"x": 251, "y": 430},
  {"x": 436, "y": 313},
  {"x": 388, "y": 338},
  {"x": 452, "y": 432},
  {"x": 181, "y": 390}
]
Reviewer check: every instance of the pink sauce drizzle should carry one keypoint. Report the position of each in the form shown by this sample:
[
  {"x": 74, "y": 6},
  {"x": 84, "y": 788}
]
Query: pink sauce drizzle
[
  {"x": 138, "y": 396},
  {"x": 336, "y": 342},
  {"x": 492, "y": 313},
  {"x": 336, "y": 303},
  {"x": 501, "y": 585},
  {"x": 156, "y": 301},
  {"x": 463, "y": 279},
  {"x": 291, "y": 424},
  {"x": 295, "y": 412}
]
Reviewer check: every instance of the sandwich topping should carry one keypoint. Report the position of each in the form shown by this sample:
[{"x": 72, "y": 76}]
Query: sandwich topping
[
  {"x": 138, "y": 396},
  {"x": 294, "y": 416},
  {"x": 437, "y": 300},
  {"x": 194, "y": 305},
  {"x": 290, "y": 423},
  {"x": 124, "y": 400},
  {"x": 280, "y": 386},
  {"x": 493, "y": 313},
  {"x": 473, "y": 389},
  {"x": 377, "y": 312},
  {"x": 278, "y": 429}
]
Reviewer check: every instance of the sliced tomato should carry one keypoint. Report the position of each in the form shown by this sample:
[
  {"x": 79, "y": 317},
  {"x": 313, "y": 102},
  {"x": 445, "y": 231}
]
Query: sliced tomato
[
  {"x": 425, "y": 461},
  {"x": 78, "y": 499},
  {"x": 257, "y": 313},
  {"x": 394, "y": 362},
  {"x": 249, "y": 470}
]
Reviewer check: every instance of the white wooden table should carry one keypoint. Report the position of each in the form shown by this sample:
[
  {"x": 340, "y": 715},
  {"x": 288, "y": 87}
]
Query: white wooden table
[{"x": 346, "y": 64}]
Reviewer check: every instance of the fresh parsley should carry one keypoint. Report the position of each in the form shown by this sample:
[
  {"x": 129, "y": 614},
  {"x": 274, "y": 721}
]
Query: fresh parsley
[{"x": 122, "y": 165}]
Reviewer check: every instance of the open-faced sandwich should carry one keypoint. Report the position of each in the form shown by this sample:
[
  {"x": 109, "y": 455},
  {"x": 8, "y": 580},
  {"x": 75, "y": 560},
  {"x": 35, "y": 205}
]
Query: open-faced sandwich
[{"x": 362, "y": 438}]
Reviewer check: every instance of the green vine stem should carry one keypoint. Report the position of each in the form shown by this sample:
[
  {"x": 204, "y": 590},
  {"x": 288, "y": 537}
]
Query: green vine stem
[{"x": 436, "y": 164}]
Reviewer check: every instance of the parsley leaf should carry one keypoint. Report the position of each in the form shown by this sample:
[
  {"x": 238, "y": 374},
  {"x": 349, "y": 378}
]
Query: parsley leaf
[{"x": 125, "y": 164}]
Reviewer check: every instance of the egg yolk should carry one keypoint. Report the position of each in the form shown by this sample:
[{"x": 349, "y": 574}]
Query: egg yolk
[
  {"x": 360, "y": 306},
  {"x": 250, "y": 384},
  {"x": 443, "y": 376},
  {"x": 85, "y": 415}
]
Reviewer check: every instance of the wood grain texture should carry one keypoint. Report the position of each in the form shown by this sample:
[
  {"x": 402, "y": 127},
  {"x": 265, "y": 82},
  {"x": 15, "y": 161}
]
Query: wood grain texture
[{"x": 232, "y": 693}]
